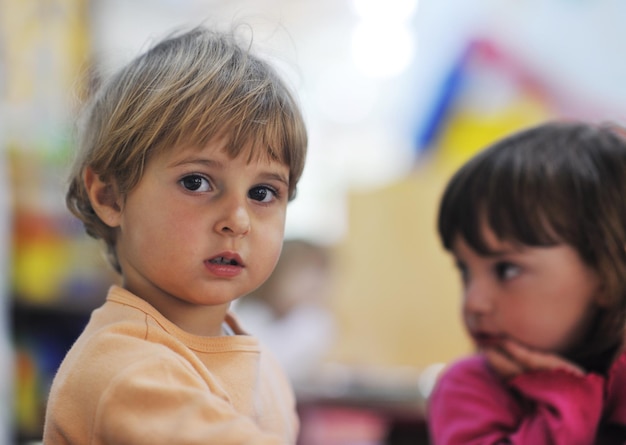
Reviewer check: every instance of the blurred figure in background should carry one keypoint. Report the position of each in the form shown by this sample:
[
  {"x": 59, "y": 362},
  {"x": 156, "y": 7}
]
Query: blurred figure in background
[{"x": 289, "y": 311}]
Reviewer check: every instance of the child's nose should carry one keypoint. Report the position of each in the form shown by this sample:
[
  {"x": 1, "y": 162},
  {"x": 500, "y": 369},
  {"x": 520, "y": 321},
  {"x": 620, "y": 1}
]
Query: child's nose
[
  {"x": 478, "y": 297},
  {"x": 235, "y": 220}
]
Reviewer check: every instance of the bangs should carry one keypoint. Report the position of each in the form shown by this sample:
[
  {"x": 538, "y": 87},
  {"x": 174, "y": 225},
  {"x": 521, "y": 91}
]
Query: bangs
[
  {"x": 264, "y": 126},
  {"x": 253, "y": 112},
  {"x": 503, "y": 192},
  {"x": 256, "y": 136}
]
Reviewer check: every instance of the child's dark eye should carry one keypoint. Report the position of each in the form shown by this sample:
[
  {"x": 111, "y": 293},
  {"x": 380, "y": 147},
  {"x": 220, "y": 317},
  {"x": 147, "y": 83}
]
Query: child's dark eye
[
  {"x": 262, "y": 194},
  {"x": 195, "y": 183},
  {"x": 506, "y": 271}
]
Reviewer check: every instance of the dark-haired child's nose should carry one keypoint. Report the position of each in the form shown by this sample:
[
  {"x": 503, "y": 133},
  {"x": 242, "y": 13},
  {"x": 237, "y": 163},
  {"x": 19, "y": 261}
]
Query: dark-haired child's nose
[{"x": 478, "y": 297}]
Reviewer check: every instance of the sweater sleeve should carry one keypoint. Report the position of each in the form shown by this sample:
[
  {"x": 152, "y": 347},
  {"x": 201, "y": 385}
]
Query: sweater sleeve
[
  {"x": 162, "y": 402},
  {"x": 470, "y": 405}
]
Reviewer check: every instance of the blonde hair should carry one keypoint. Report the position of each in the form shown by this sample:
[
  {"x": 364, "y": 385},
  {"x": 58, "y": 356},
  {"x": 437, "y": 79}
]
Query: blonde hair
[{"x": 190, "y": 88}]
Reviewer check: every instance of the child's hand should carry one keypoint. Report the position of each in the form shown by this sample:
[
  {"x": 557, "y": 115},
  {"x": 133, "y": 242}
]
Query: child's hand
[{"x": 510, "y": 359}]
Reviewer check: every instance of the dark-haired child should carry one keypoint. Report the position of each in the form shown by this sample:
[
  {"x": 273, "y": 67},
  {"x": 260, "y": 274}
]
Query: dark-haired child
[{"x": 537, "y": 226}]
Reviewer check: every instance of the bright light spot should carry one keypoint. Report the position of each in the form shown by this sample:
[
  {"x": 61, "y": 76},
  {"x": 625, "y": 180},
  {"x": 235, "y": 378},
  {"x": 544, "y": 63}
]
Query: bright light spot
[
  {"x": 381, "y": 49},
  {"x": 387, "y": 10}
]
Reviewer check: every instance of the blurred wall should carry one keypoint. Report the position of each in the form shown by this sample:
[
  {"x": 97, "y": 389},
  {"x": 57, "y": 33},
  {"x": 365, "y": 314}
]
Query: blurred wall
[{"x": 398, "y": 298}]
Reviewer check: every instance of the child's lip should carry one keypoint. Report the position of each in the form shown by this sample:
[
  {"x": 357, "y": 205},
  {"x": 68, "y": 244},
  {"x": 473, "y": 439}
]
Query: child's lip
[{"x": 485, "y": 339}]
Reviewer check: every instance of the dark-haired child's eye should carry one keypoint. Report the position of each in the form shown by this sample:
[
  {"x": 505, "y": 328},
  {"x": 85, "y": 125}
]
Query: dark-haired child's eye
[
  {"x": 195, "y": 183},
  {"x": 262, "y": 194},
  {"x": 506, "y": 271}
]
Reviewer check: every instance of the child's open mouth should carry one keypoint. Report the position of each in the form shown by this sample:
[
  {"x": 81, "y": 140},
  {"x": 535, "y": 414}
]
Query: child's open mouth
[
  {"x": 225, "y": 265},
  {"x": 224, "y": 260}
]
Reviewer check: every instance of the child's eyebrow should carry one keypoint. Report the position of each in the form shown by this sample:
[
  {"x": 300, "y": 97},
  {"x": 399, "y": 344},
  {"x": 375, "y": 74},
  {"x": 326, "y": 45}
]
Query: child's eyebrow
[
  {"x": 277, "y": 177},
  {"x": 195, "y": 160}
]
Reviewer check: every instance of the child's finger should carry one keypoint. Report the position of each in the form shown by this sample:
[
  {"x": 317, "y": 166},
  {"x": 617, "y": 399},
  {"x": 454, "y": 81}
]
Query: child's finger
[
  {"x": 534, "y": 360},
  {"x": 503, "y": 365}
]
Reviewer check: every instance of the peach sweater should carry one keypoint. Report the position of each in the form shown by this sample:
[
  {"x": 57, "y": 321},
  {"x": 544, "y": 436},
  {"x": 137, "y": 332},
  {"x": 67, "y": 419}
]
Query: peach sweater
[{"x": 133, "y": 377}]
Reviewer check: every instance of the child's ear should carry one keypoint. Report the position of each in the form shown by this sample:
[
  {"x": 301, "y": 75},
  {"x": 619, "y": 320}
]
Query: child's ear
[
  {"x": 103, "y": 197},
  {"x": 602, "y": 298}
]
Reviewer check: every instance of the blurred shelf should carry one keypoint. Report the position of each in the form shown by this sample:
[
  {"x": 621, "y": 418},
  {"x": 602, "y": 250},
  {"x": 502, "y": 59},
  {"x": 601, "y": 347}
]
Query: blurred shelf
[{"x": 42, "y": 334}]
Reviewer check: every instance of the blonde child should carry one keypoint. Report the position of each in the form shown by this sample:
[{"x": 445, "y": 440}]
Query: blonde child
[
  {"x": 189, "y": 156},
  {"x": 537, "y": 226}
]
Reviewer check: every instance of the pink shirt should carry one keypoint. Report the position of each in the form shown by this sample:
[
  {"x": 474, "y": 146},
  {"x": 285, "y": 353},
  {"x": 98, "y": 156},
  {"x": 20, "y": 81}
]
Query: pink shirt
[
  {"x": 471, "y": 405},
  {"x": 133, "y": 377}
]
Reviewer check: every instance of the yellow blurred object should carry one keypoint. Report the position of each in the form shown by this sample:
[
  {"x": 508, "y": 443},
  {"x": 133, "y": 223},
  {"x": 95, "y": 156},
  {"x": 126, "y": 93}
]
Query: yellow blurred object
[
  {"x": 40, "y": 269},
  {"x": 468, "y": 131},
  {"x": 27, "y": 398}
]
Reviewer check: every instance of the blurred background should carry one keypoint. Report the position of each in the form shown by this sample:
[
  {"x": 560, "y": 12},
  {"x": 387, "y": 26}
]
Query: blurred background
[{"x": 396, "y": 94}]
